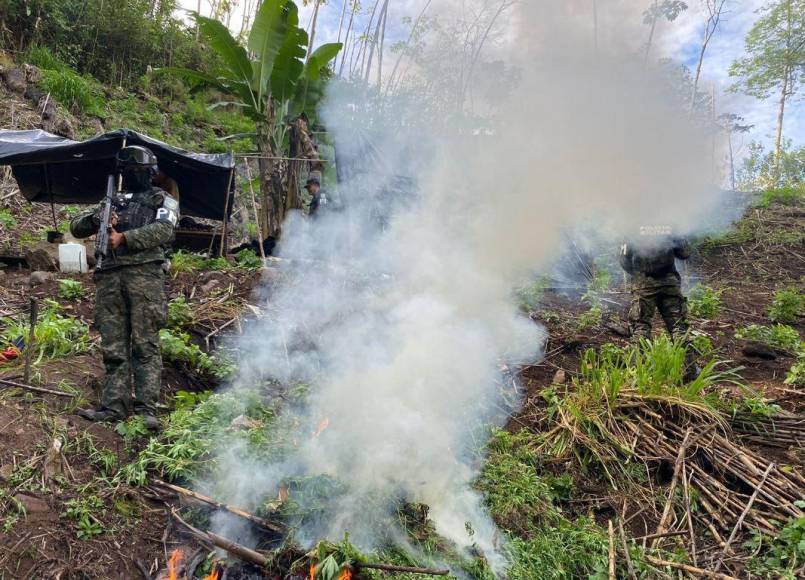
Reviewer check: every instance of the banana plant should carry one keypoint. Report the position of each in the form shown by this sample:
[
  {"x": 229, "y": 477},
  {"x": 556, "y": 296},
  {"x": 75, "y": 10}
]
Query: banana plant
[{"x": 271, "y": 83}]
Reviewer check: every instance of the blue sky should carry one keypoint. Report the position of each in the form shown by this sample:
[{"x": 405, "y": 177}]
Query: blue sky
[{"x": 679, "y": 40}]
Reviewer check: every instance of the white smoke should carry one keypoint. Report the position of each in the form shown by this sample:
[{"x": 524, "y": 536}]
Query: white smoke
[{"x": 401, "y": 329}]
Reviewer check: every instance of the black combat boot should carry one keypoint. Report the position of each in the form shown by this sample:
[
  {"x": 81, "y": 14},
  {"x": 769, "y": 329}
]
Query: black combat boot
[
  {"x": 149, "y": 418},
  {"x": 100, "y": 415}
]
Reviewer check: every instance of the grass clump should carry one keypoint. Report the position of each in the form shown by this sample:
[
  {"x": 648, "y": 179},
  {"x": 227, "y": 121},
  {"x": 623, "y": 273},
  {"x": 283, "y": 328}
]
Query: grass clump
[
  {"x": 787, "y": 306},
  {"x": 71, "y": 290},
  {"x": 56, "y": 335},
  {"x": 176, "y": 347},
  {"x": 72, "y": 90},
  {"x": 704, "y": 302},
  {"x": 780, "y": 336},
  {"x": 182, "y": 262}
]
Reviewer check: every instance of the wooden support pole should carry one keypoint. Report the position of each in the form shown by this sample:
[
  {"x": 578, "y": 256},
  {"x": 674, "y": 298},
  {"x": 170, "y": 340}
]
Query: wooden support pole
[{"x": 29, "y": 347}]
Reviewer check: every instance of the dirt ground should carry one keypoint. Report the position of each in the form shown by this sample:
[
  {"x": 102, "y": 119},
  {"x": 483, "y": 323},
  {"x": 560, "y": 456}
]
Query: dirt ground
[{"x": 138, "y": 528}]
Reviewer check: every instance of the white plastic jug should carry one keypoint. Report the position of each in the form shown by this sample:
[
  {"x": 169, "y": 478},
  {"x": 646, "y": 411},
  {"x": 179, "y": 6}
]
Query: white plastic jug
[{"x": 73, "y": 258}]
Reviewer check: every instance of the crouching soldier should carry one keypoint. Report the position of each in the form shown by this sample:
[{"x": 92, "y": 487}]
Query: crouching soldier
[
  {"x": 130, "y": 302},
  {"x": 657, "y": 285}
]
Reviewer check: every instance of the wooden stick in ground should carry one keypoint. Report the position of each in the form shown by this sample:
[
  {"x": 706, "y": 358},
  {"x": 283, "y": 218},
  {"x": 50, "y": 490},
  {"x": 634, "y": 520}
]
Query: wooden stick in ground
[
  {"x": 34, "y": 389},
  {"x": 241, "y": 552},
  {"x": 688, "y": 516},
  {"x": 725, "y": 551},
  {"x": 689, "y": 569},
  {"x": 29, "y": 347},
  {"x": 611, "y": 532},
  {"x": 666, "y": 512},
  {"x": 409, "y": 569},
  {"x": 256, "y": 213},
  {"x": 625, "y": 545},
  {"x": 231, "y": 509}
]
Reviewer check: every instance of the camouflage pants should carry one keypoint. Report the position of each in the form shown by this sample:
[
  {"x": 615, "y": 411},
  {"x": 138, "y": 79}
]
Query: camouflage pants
[
  {"x": 130, "y": 308},
  {"x": 673, "y": 307}
]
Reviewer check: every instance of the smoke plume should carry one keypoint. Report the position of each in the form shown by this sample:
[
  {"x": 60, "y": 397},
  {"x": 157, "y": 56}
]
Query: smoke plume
[{"x": 400, "y": 313}]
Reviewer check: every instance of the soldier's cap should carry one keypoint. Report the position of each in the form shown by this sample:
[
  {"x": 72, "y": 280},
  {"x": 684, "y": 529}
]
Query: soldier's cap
[
  {"x": 312, "y": 181},
  {"x": 136, "y": 155}
]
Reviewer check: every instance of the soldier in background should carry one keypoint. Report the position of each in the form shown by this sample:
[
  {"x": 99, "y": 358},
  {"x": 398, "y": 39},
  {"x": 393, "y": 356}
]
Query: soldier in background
[
  {"x": 130, "y": 301},
  {"x": 318, "y": 198},
  {"x": 650, "y": 260}
]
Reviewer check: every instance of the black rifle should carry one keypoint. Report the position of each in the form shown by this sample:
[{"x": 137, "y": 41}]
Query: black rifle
[{"x": 102, "y": 239}]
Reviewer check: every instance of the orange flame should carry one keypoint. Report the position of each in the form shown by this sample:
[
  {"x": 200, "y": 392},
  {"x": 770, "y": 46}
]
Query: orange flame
[
  {"x": 174, "y": 564},
  {"x": 346, "y": 574},
  {"x": 313, "y": 572},
  {"x": 323, "y": 424},
  {"x": 212, "y": 575}
]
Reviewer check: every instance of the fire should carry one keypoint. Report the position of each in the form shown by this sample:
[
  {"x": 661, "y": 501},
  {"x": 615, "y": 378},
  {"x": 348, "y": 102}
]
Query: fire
[
  {"x": 346, "y": 574},
  {"x": 174, "y": 564},
  {"x": 212, "y": 575},
  {"x": 323, "y": 424},
  {"x": 313, "y": 572}
]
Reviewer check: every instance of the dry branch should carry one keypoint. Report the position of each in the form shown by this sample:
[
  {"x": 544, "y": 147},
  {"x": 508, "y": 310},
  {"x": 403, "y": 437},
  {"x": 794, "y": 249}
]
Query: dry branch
[
  {"x": 409, "y": 569},
  {"x": 277, "y": 528},
  {"x": 8, "y": 383},
  {"x": 237, "y": 550},
  {"x": 689, "y": 569}
]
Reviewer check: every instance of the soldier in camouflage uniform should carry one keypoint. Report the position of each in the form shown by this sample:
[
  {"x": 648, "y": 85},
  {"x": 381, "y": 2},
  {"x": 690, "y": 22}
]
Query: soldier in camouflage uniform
[
  {"x": 656, "y": 285},
  {"x": 130, "y": 301}
]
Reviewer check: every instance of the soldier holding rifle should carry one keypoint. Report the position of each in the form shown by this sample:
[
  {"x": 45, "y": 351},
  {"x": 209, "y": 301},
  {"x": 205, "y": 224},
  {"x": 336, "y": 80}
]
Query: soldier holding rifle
[{"x": 133, "y": 227}]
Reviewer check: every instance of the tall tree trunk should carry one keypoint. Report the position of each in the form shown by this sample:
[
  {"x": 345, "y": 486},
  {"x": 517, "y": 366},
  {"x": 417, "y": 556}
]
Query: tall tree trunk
[
  {"x": 650, "y": 35},
  {"x": 732, "y": 160},
  {"x": 341, "y": 21},
  {"x": 778, "y": 141},
  {"x": 375, "y": 39},
  {"x": 272, "y": 206},
  {"x": 380, "y": 49},
  {"x": 346, "y": 39},
  {"x": 404, "y": 51},
  {"x": 313, "y": 30}
]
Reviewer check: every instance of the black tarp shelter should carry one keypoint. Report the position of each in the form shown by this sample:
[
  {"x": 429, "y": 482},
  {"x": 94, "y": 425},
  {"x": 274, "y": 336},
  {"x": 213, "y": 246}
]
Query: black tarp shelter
[{"x": 54, "y": 169}]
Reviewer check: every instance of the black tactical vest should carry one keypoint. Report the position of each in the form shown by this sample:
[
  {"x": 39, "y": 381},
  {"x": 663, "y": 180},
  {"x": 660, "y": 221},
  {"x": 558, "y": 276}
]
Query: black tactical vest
[{"x": 134, "y": 210}]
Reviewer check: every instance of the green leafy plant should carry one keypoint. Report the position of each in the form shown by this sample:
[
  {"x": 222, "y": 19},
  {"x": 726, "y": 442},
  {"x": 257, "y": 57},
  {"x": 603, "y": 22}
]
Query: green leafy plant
[
  {"x": 779, "y": 336},
  {"x": 82, "y": 511},
  {"x": 72, "y": 90},
  {"x": 132, "y": 428},
  {"x": 780, "y": 556},
  {"x": 183, "y": 261},
  {"x": 219, "y": 263},
  {"x": 180, "y": 314},
  {"x": 787, "y": 306},
  {"x": 704, "y": 302},
  {"x": 56, "y": 335},
  {"x": 71, "y": 289},
  {"x": 590, "y": 318},
  {"x": 786, "y": 195},
  {"x": 249, "y": 259},
  {"x": 176, "y": 347},
  {"x": 796, "y": 374},
  {"x": 703, "y": 346},
  {"x": 7, "y": 220}
]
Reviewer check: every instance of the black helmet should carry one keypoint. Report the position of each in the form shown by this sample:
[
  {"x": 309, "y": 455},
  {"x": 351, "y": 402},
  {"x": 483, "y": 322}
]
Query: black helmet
[
  {"x": 312, "y": 181},
  {"x": 137, "y": 156}
]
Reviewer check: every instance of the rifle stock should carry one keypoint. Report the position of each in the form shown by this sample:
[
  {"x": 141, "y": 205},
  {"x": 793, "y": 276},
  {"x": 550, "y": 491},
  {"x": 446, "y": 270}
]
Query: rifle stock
[{"x": 102, "y": 239}]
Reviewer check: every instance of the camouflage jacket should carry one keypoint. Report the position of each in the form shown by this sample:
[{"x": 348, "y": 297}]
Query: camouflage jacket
[
  {"x": 654, "y": 267},
  {"x": 147, "y": 235}
]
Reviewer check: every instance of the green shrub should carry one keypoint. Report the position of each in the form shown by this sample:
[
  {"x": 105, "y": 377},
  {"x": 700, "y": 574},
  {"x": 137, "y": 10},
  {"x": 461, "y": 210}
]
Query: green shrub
[
  {"x": 787, "y": 305},
  {"x": 219, "y": 263},
  {"x": 180, "y": 314},
  {"x": 56, "y": 335},
  {"x": 248, "y": 259},
  {"x": 779, "y": 336},
  {"x": 590, "y": 318},
  {"x": 703, "y": 346},
  {"x": 42, "y": 57},
  {"x": 788, "y": 195},
  {"x": 531, "y": 295},
  {"x": 71, "y": 289},
  {"x": 704, "y": 302}
]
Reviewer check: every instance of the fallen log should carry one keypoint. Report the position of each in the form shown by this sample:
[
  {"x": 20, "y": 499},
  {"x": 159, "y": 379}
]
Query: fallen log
[
  {"x": 278, "y": 528},
  {"x": 237, "y": 550}
]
